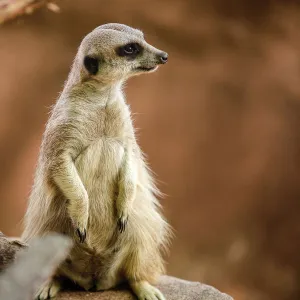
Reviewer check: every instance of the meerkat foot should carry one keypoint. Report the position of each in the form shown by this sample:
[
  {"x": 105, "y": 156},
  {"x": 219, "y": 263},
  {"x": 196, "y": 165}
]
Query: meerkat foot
[
  {"x": 122, "y": 222},
  {"x": 49, "y": 291},
  {"x": 145, "y": 291}
]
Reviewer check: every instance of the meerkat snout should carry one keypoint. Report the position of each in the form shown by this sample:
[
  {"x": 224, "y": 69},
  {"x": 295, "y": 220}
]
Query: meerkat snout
[
  {"x": 115, "y": 52},
  {"x": 163, "y": 57}
]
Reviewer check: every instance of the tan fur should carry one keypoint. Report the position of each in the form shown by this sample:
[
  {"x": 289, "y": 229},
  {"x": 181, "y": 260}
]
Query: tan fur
[{"x": 91, "y": 175}]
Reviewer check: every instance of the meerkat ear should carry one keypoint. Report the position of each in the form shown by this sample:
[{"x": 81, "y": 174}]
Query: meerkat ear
[{"x": 91, "y": 64}]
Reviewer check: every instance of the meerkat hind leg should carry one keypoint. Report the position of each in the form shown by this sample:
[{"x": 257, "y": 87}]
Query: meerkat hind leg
[
  {"x": 49, "y": 290},
  {"x": 145, "y": 291}
]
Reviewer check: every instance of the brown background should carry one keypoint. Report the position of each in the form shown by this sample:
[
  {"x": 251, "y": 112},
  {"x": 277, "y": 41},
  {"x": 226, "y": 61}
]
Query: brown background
[{"x": 220, "y": 124}]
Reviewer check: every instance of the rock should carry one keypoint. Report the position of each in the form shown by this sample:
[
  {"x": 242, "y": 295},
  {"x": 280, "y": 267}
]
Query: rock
[
  {"x": 173, "y": 289},
  {"x": 8, "y": 250},
  {"x": 12, "y": 278}
]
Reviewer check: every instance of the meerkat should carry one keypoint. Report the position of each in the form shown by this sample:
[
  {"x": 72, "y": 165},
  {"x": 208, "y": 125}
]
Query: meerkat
[{"x": 92, "y": 182}]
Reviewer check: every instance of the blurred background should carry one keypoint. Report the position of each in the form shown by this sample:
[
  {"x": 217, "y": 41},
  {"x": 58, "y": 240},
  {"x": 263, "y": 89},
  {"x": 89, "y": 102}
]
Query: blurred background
[{"x": 220, "y": 125}]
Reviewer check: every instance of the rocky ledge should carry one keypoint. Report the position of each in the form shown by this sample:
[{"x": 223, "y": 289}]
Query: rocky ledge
[{"x": 173, "y": 289}]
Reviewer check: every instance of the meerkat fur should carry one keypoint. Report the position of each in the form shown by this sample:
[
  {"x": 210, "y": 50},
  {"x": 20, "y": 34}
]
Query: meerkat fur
[{"x": 92, "y": 182}]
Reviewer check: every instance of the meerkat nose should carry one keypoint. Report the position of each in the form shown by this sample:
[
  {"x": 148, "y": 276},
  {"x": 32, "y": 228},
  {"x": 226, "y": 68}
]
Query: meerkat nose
[{"x": 163, "y": 57}]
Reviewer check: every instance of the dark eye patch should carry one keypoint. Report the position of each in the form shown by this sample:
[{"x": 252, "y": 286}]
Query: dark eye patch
[
  {"x": 131, "y": 51},
  {"x": 91, "y": 64}
]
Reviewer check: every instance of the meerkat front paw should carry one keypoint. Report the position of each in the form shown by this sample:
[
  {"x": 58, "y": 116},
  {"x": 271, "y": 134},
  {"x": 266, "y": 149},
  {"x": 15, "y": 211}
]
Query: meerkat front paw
[
  {"x": 81, "y": 233},
  {"x": 80, "y": 227},
  {"x": 79, "y": 216},
  {"x": 145, "y": 291},
  {"x": 122, "y": 221},
  {"x": 49, "y": 291}
]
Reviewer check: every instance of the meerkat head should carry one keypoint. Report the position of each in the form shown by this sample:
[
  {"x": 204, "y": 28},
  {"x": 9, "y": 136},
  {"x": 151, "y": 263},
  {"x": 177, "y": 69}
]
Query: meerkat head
[{"x": 114, "y": 52}]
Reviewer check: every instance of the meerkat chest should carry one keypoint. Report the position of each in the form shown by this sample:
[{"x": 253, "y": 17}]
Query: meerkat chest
[
  {"x": 108, "y": 129},
  {"x": 117, "y": 121},
  {"x": 108, "y": 121}
]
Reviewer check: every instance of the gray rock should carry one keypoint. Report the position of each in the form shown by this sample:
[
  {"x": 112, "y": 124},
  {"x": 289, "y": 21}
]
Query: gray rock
[
  {"x": 173, "y": 289},
  {"x": 176, "y": 289},
  {"x": 8, "y": 250}
]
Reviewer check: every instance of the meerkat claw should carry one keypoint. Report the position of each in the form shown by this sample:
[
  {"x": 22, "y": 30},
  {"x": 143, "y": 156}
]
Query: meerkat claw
[
  {"x": 122, "y": 222},
  {"x": 81, "y": 235}
]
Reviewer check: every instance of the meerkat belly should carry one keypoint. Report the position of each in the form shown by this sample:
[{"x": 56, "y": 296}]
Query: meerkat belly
[{"x": 98, "y": 167}]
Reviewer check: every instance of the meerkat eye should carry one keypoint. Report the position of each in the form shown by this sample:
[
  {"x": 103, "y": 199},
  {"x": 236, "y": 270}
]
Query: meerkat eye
[
  {"x": 91, "y": 64},
  {"x": 129, "y": 50}
]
